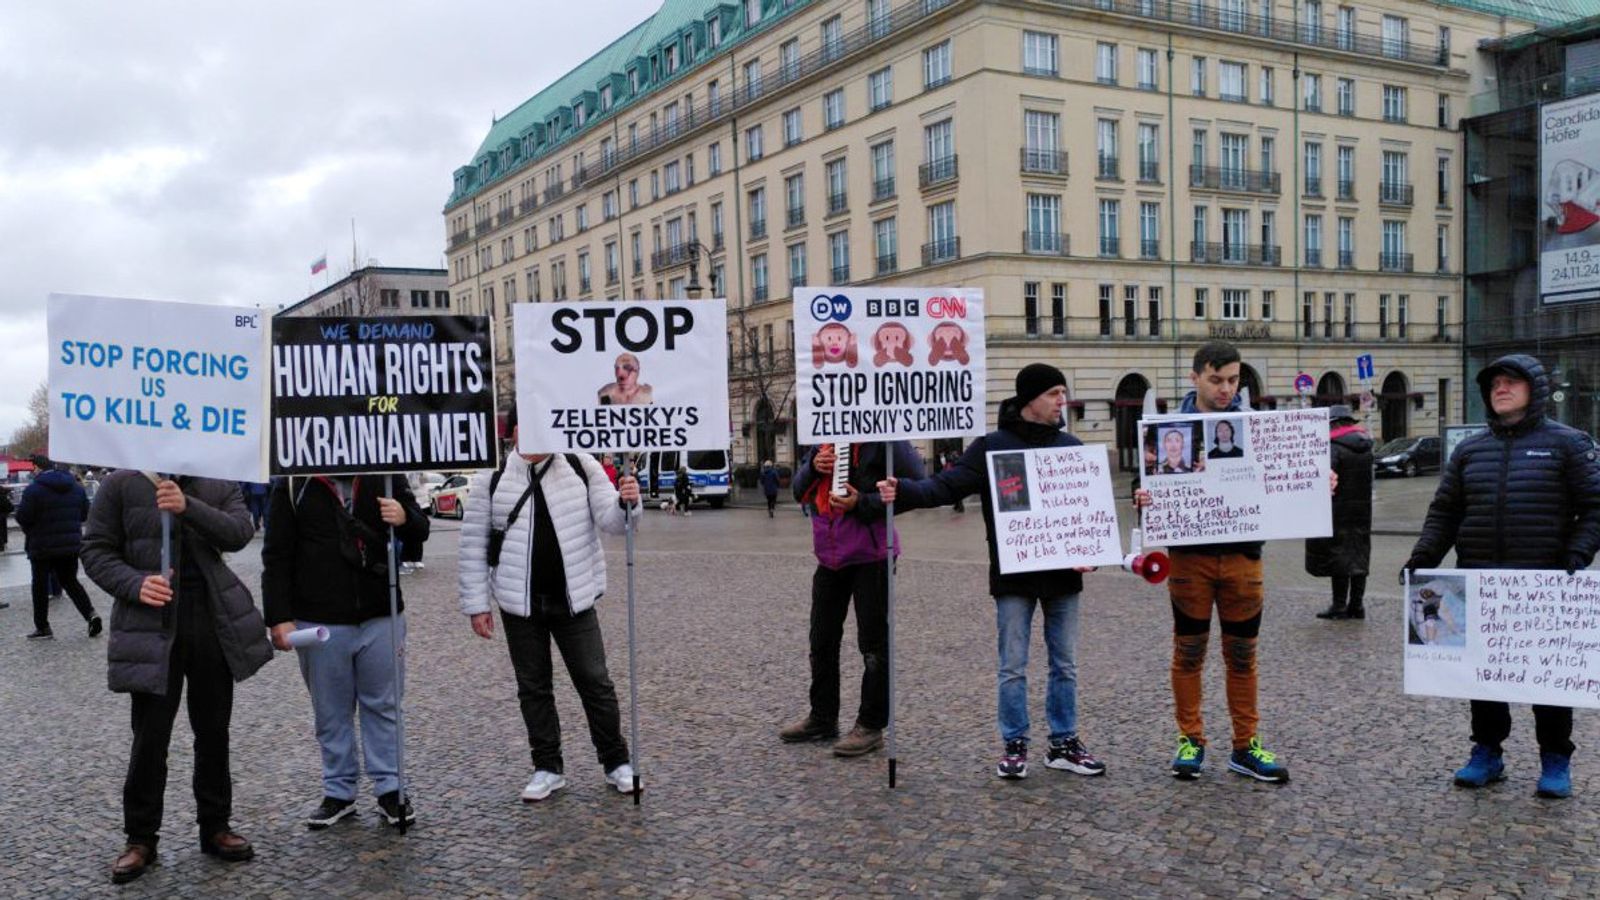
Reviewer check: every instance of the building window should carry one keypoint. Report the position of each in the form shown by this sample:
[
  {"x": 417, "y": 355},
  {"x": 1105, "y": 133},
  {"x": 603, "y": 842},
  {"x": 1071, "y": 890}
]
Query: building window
[
  {"x": 669, "y": 173},
  {"x": 1347, "y": 242},
  {"x": 441, "y": 299},
  {"x": 1105, "y": 65},
  {"x": 1058, "y": 309},
  {"x": 1442, "y": 176},
  {"x": 839, "y": 256},
  {"x": 880, "y": 88},
  {"x": 758, "y": 277},
  {"x": 832, "y": 38},
  {"x": 1044, "y": 224},
  {"x": 1445, "y": 120},
  {"x": 886, "y": 245},
  {"x": 797, "y": 265},
  {"x": 1383, "y": 315},
  {"x": 883, "y": 171},
  {"x": 1200, "y": 303},
  {"x": 1041, "y": 140},
  {"x": 1105, "y": 310},
  {"x": 1267, "y": 300},
  {"x": 714, "y": 159},
  {"x": 752, "y": 79},
  {"x": 1269, "y": 85},
  {"x": 1350, "y": 315},
  {"x": 1311, "y": 21},
  {"x": 1149, "y": 153},
  {"x": 1039, "y": 53},
  {"x": 1235, "y": 303},
  {"x": 752, "y": 12},
  {"x": 1030, "y": 308},
  {"x": 1394, "y": 103},
  {"x": 791, "y": 128},
  {"x": 752, "y": 143},
  {"x": 837, "y": 187},
  {"x": 794, "y": 192},
  {"x": 1149, "y": 70},
  {"x": 1106, "y": 145},
  {"x": 1401, "y": 314},
  {"x": 758, "y": 213},
  {"x": 936, "y": 65},
  {"x": 1197, "y": 76},
  {"x": 419, "y": 299},
  {"x": 1441, "y": 245},
  {"x": 1396, "y": 36},
  {"x": 1442, "y": 312},
  {"x": 940, "y": 142},
  {"x": 1110, "y": 227},
  {"x": 1394, "y": 247},
  {"x": 942, "y": 231},
  {"x": 1345, "y": 96},
  {"x": 1313, "y": 93},
  {"x": 1395, "y": 187},
  {"x": 1345, "y": 32},
  {"x": 1232, "y": 78},
  {"x": 1149, "y": 230},
  {"x": 1130, "y": 310},
  {"x": 1314, "y": 240},
  {"x": 1199, "y": 222},
  {"x": 833, "y": 109},
  {"x": 1313, "y": 163}
]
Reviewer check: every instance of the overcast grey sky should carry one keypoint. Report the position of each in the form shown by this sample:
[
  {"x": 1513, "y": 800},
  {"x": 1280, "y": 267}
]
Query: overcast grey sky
[{"x": 209, "y": 152}]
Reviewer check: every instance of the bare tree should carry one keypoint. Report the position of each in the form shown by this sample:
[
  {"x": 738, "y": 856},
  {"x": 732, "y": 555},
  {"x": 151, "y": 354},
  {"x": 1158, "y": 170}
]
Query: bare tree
[{"x": 34, "y": 435}]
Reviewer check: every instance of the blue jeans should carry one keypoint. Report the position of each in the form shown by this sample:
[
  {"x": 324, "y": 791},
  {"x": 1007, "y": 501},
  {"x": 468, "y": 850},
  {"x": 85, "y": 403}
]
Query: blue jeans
[
  {"x": 1014, "y": 622},
  {"x": 355, "y": 668}
]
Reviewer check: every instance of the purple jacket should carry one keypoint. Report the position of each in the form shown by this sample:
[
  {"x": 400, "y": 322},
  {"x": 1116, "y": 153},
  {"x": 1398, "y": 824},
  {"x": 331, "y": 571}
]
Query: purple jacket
[{"x": 860, "y": 536}]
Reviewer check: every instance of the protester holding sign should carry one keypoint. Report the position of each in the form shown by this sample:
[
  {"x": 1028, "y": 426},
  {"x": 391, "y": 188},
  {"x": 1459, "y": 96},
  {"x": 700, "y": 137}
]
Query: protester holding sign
[
  {"x": 1032, "y": 418},
  {"x": 204, "y": 630},
  {"x": 1523, "y": 495},
  {"x": 325, "y": 564},
  {"x": 851, "y": 542},
  {"x": 533, "y": 550},
  {"x": 1229, "y": 577},
  {"x": 1344, "y": 556}
]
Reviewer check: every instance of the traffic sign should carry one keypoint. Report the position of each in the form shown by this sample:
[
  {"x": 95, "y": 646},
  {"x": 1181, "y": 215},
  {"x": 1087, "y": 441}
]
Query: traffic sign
[
  {"x": 1303, "y": 383},
  {"x": 1364, "y": 367}
]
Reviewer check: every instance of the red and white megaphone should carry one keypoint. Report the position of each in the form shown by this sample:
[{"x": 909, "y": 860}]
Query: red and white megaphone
[{"x": 1152, "y": 565}]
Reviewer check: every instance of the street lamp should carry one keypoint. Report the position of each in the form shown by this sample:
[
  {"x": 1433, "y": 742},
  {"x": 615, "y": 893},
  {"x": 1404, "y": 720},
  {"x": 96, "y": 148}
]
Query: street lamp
[{"x": 693, "y": 289}]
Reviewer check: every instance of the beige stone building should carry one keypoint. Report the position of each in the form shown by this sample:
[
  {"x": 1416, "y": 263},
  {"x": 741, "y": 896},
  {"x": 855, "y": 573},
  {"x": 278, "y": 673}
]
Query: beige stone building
[
  {"x": 1123, "y": 178},
  {"x": 378, "y": 291}
]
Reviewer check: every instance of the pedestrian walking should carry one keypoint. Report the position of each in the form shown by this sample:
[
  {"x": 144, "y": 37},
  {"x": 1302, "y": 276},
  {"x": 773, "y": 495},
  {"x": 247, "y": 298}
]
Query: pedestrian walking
[
  {"x": 1344, "y": 556},
  {"x": 682, "y": 492},
  {"x": 51, "y": 514},
  {"x": 533, "y": 550},
  {"x": 1031, "y": 418},
  {"x": 769, "y": 486},
  {"x": 195, "y": 623},
  {"x": 849, "y": 536},
  {"x": 1523, "y": 494},
  {"x": 325, "y": 564}
]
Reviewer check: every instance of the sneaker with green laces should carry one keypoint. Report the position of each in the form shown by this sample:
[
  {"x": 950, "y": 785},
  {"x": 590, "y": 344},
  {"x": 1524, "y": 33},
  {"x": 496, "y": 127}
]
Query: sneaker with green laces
[
  {"x": 1191, "y": 756},
  {"x": 1259, "y": 763}
]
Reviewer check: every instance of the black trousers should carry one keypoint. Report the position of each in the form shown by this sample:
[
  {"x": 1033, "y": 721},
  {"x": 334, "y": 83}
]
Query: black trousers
[
  {"x": 831, "y": 591},
  {"x": 65, "y": 569},
  {"x": 196, "y": 658},
  {"x": 1552, "y": 725},
  {"x": 583, "y": 651},
  {"x": 1349, "y": 588}
]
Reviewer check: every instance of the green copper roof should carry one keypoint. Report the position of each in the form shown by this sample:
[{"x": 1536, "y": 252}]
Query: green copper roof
[{"x": 1542, "y": 12}]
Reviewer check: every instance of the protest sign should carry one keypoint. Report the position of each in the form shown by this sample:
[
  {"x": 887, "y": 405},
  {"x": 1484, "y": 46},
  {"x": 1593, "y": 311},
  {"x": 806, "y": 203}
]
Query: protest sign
[
  {"x": 1220, "y": 477},
  {"x": 1518, "y": 636},
  {"x": 884, "y": 363},
  {"x": 382, "y": 394},
  {"x": 609, "y": 377},
  {"x": 1054, "y": 509},
  {"x": 158, "y": 386}
]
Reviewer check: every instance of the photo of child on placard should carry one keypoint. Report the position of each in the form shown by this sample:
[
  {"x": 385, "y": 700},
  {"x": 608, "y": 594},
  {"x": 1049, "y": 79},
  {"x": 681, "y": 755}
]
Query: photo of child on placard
[
  {"x": 1174, "y": 448},
  {"x": 1436, "y": 612},
  {"x": 1224, "y": 439}
]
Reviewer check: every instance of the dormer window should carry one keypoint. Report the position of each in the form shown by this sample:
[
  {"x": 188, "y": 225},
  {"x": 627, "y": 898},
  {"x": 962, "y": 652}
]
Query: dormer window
[
  {"x": 579, "y": 114},
  {"x": 633, "y": 80},
  {"x": 605, "y": 98},
  {"x": 669, "y": 58},
  {"x": 715, "y": 33},
  {"x": 752, "y": 12}
]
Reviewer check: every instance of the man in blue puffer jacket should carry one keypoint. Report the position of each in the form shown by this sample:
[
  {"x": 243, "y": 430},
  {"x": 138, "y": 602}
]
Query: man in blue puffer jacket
[
  {"x": 1030, "y": 419},
  {"x": 1523, "y": 495},
  {"x": 51, "y": 514}
]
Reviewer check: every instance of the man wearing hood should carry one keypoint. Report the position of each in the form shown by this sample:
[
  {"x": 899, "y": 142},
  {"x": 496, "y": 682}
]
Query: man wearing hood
[
  {"x": 1525, "y": 494},
  {"x": 51, "y": 514},
  {"x": 1229, "y": 577},
  {"x": 1030, "y": 419},
  {"x": 1344, "y": 556}
]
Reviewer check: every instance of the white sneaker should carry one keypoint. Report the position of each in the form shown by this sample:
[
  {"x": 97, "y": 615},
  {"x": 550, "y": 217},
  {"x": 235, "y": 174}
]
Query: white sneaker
[
  {"x": 621, "y": 778},
  {"x": 543, "y": 785}
]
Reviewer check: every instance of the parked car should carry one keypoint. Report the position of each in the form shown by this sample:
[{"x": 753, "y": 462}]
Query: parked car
[
  {"x": 450, "y": 498},
  {"x": 1410, "y": 456}
]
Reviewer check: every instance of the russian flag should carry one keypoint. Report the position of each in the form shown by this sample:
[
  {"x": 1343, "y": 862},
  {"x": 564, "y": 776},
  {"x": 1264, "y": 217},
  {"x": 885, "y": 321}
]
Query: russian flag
[{"x": 321, "y": 265}]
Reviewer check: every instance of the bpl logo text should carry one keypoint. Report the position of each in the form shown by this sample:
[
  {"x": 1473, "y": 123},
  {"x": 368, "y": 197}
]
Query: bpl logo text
[
  {"x": 836, "y": 307},
  {"x": 248, "y": 321}
]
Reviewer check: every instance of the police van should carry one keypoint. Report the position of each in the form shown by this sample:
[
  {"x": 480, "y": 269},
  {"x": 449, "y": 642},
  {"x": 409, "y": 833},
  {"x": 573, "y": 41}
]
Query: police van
[{"x": 709, "y": 475}]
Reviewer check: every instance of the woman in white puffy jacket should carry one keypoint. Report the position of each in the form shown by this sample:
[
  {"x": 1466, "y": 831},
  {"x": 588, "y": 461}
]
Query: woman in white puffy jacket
[{"x": 550, "y": 571}]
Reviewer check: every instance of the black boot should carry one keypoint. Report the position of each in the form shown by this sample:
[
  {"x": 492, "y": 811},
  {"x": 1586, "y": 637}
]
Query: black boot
[
  {"x": 1337, "y": 610},
  {"x": 1358, "y": 587}
]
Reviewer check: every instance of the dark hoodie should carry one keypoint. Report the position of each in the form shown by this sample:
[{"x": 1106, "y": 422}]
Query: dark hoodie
[
  {"x": 1517, "y": 496},
  {"x": 971, "y": 476},
  {"x": 51, "y": 514},
  {"x": 1348, "y": 551}
]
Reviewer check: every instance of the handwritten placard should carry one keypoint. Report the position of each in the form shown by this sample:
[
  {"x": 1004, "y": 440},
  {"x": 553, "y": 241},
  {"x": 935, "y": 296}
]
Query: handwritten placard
[
  {"x": 1518, "y": 636},
  {"x": 1221, "y": 477},
  {"x": 1054, "y": 508}
]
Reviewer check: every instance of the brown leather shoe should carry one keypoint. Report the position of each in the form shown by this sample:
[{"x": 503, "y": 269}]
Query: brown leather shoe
[
  {"x": 228, "y": 847},
  {"x": 860, "y": 741},
  {"x": 807, "y": 729},
  {"x": 135, "y": 859}
]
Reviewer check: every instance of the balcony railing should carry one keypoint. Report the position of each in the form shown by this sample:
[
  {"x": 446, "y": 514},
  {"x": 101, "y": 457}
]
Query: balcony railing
[
  {"x": 1313, "y": 257},
  {"x": 554, "y": 192},
  {"x": 504, "y": 216},
  {"x": 459, "y": 238},
  {"x": 1395, "y": 262},
  {"x": 1046, "y": 243},
  {"x": 841, "y": 274},
  {"x": 1095, "y": 329},
  {"x": 941, "y": 251},
  {"x": 1394, "y": 193},
  {"x": 1149, "y": 249},
  {"x": 1149, "y": 171},
  {"x": 938, "y": 171},
  {"x": 1110, "y": 246},
  {"x": 675, "y": 255},
  {"x": 526, "y": 206},
  {"x": 1313, "y": 185},
  {"x": 1347, "y": 259},
  {"x": 1236, "y": 254},
  {"x": 1044, "y": 162},
  {"x": 795, "y": 218},
  {"x": 758, "y": 229},
  {"x": 837, "y": 203},
  {"x": 1228, "y": 178},
  {"x": 882, "y": 189},
  {"x": 888, "y": 263},
  {"x": 758, "y": 294},
  {"x": 1347, "y": 189},
  {"x": 612, "y": 276},
  {"x": 1108, "y": 168},
  {"x": 718, "y": 241}
]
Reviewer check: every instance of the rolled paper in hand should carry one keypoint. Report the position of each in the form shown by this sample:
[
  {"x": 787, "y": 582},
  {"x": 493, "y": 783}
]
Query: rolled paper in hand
[{"x": 308, "y": 637}]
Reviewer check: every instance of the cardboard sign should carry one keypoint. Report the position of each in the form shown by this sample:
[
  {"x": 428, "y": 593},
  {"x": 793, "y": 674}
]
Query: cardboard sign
[
  {"x": 886, "y": 363},
  {"x": 1222, "y": 477},
  {"x": 1054, "y": 508},
  {"x": 382, "y": 394},
  {"x": 1518, "y": 636},
  {"x": 163, "y": 387},
  {"x": 607, "y": 377}
]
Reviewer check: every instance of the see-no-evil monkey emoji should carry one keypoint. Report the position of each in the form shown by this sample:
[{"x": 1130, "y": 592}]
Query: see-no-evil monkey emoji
[{"x": 948, "y": 341}]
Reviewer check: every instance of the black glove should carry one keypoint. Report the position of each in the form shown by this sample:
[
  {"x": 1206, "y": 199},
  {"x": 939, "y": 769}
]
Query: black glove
[
  {"x": 1410, "y": 569},
  {"x": 1575, "y": 563}
]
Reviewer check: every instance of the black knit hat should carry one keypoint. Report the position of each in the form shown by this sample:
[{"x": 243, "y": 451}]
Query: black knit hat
[{"x": 1036, "y": 378}]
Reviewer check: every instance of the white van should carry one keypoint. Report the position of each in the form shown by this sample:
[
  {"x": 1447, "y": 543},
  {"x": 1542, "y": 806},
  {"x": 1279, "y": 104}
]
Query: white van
[{"x": 709, "y": 475}]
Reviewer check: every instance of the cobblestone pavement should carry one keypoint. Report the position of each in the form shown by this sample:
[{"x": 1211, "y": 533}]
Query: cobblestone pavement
[{"x": 730, "y": 811}]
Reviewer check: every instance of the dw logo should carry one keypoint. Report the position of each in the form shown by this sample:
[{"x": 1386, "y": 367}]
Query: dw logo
[{"x": 836, "y": 307}]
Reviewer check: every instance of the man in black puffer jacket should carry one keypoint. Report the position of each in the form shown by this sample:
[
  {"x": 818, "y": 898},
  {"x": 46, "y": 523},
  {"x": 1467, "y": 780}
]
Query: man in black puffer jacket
[
  {"x": 51, "y": 514},
  {"x": 1523, "y": 495},
  {"x": 1030, "y": 419}
]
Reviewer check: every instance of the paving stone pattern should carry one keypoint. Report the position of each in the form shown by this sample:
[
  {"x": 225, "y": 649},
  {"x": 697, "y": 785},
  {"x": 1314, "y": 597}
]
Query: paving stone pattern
[{"x": 729, "y": 811}]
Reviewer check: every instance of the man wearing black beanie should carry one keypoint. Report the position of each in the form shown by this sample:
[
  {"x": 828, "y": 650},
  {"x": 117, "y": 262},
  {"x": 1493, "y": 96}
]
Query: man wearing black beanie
[{"x": 1030, "y": 419}]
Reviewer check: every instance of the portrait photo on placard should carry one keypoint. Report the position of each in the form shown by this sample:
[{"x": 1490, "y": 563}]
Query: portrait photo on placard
[
  {"x": 1174, "y": 448},
  {"x": 1436, "y": 612},
  {"x": 628, "y": 387},
  {"x": 1225, "y": 439}
]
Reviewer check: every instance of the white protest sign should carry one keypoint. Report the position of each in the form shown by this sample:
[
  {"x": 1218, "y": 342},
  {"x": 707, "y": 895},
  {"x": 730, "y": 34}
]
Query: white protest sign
[
  {"x": 159, "y": 386},
  {"x": 1054, "y": 508},
  {"x": 1519, "y": 636},
  {"x": 885, "y": 363},
  {"x": 1222, "y": 477},
  {"x": 609, "y": 377}
]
